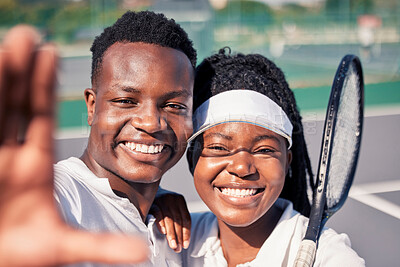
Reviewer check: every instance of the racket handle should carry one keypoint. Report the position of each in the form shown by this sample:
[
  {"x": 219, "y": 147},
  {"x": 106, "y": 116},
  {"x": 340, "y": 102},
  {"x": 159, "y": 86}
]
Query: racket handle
[{"x": 305, "y": 255}]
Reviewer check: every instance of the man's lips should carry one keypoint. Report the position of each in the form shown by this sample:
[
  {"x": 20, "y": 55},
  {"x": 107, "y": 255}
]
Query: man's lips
[{"x": 144, "y": 148}]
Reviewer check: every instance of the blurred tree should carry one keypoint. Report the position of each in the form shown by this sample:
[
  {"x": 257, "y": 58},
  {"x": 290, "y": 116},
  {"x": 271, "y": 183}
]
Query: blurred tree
[
  {"x": 246, "y": 10},
  {"x": 348, "y": 9},
  {"x": 7, "y": 8}
]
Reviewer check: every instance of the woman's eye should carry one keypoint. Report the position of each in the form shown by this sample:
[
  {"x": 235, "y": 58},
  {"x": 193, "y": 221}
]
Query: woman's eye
[
  {"x": 264, "y": 151},
  {"x": 217, "y": 148},
  {"x": 215, "y": 151}
]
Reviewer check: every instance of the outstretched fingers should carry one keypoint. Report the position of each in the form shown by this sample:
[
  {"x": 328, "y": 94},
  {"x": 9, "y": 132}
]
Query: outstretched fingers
[
  {"x": 18, "y": 57},
  {"x": 41, "y": 122}
]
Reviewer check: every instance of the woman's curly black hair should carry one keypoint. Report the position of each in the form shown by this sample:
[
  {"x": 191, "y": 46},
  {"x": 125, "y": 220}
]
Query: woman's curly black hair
[
  {"x": 146, "y": 27},
  {"x": 223, "y": 72}
]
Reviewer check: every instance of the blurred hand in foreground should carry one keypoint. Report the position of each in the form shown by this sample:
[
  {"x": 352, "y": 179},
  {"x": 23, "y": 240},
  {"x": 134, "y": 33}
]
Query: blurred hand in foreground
[{"x": 31, "y": 231}]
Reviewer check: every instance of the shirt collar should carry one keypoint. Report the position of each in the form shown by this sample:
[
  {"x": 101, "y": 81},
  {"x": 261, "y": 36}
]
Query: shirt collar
[
  {"x": 207, "y": 240},
  {"x": 208, "y": 243}
]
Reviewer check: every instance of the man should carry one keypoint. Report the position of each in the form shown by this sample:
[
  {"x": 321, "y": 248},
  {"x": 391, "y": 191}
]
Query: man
[{"x": 139, "y": 110}]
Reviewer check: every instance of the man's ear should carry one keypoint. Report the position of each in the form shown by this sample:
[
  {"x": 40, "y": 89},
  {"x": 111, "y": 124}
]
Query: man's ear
[{"x": 90, "y": 99}]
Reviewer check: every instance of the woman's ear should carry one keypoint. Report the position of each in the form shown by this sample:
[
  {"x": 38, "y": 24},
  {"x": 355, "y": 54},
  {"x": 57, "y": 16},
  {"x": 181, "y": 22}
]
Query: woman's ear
[
  {"x": 90, "y": 99},
  {"x": 189, "y": 157},
  {"x": 288, "y": 159},
  {"x": 193, "y": 153}
]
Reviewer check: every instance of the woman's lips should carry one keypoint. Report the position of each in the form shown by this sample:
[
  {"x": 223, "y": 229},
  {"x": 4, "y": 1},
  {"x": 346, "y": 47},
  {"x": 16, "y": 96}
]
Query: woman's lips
[
  {"x": 239, "y": 196},
  {"x": 236, "y": 192}
]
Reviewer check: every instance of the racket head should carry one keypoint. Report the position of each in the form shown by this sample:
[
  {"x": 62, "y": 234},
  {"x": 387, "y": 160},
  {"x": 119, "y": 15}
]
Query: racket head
[
  {"x": 340, "y": 144},
  {"x": 347, "y": 132}
]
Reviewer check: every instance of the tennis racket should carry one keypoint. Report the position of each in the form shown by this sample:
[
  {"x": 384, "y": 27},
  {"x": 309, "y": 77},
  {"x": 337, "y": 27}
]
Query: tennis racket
[{"x": 339, "y": 152}]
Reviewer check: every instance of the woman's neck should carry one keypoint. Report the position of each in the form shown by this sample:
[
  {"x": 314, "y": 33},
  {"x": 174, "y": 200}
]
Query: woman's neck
[{"x": 242, "y": 244}]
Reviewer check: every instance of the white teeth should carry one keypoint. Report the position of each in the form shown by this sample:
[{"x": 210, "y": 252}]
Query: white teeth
[
  {"x": 238, "y": 192},
  {"x": 145, "y": 148},
  {"x": 151, "y": 149}
]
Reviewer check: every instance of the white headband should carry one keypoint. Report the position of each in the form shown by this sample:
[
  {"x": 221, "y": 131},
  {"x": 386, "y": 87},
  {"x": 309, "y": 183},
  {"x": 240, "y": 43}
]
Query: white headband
[{"x": 241, "y": 106}]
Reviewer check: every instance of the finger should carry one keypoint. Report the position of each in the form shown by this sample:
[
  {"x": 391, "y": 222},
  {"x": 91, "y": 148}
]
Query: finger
[
  {"x": 156, "y": 212},
  {"x": 104, "y": 248},
  {"x": 185, "y": 221},
  {"x": 179, "y": 236},
  {"x": 19, "y": 45},
  {"x": 41, "y": 124},
  {"x": 170, "y": 229},
  {"x": 2, "y": 93},
  {"x": 178, "y": 228},
  {"x": 186, "y": 227},
  {"x": 186, "y": 237}
]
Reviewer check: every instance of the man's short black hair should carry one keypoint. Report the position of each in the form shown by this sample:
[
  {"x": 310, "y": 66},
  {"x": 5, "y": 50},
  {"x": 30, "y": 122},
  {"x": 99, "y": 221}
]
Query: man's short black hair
[{"x": 146, "y": 27}]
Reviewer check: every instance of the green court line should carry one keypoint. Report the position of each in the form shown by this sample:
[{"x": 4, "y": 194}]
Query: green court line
[{"x": 72, "y": 113}]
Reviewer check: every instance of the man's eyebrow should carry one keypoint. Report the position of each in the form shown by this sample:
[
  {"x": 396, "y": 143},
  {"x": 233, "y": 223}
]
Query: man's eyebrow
[
  {"x": 130, "y": 89},
  {"x": 168, "y": 95},
  {"x": 179, "y": 93},
  {"x": 220, "y": 135}
]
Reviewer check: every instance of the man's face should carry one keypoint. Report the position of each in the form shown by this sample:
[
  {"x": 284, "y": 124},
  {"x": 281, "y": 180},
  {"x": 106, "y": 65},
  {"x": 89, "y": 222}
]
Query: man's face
[{"x": 140, "y": 111}]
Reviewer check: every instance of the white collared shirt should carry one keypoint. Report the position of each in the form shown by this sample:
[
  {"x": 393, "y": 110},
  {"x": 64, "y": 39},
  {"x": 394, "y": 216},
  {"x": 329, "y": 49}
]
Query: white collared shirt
[
  {"x": 88, "y": 202},
  {"x": 279, "y": 249}
]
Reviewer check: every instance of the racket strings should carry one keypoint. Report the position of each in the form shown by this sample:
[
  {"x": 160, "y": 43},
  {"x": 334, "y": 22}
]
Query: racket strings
[{"x": 346, "y": 138}]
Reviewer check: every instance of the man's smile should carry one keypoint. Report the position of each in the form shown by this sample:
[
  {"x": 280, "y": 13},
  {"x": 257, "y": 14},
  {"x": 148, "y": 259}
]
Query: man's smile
[{"x": 144, "y": 148}]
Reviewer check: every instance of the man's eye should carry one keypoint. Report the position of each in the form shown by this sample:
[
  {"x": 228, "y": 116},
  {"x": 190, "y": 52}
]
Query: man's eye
[
  {"x": 124, "y": 101},
  {"x": 175, "y": 106}
]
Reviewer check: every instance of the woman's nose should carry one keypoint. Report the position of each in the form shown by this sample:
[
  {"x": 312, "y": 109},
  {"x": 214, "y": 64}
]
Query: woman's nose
[{"x": 241, "y": 164}]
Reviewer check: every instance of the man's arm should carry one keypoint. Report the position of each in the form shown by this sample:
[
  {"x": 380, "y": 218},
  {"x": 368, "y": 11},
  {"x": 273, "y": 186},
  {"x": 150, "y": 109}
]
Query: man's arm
[
  {"x": 31, "y": 230},
  {"x": 172, "y": 218}
]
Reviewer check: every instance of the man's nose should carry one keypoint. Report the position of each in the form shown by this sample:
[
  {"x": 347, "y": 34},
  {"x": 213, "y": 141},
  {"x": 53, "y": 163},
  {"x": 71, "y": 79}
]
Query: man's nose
[{"x": 149, "y": 119}]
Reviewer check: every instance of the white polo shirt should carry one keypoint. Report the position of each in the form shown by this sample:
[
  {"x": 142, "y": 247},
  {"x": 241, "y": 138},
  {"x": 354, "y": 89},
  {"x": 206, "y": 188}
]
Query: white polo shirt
[
  {"x": 279, "y": 249},
  {"x": 88, "y": 202}
]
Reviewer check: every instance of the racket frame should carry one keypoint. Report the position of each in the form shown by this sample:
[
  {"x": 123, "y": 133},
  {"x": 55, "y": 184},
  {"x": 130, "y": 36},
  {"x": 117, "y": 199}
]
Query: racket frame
[{"x": 318, "y": 215}]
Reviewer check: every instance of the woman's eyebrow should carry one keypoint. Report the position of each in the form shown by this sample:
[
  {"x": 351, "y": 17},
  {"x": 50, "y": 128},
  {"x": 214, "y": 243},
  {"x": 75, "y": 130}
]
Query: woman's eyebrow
[
  {"x": 220, "y": 135},
  {"x": 266, "y": 136}
]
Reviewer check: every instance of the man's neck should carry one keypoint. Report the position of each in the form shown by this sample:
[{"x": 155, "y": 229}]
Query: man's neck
[{"x": 141, "y": 195}]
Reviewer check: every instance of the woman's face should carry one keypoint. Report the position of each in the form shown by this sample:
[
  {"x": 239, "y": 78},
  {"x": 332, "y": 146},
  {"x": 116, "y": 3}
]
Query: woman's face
[{"x": 240, "y": 171}]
